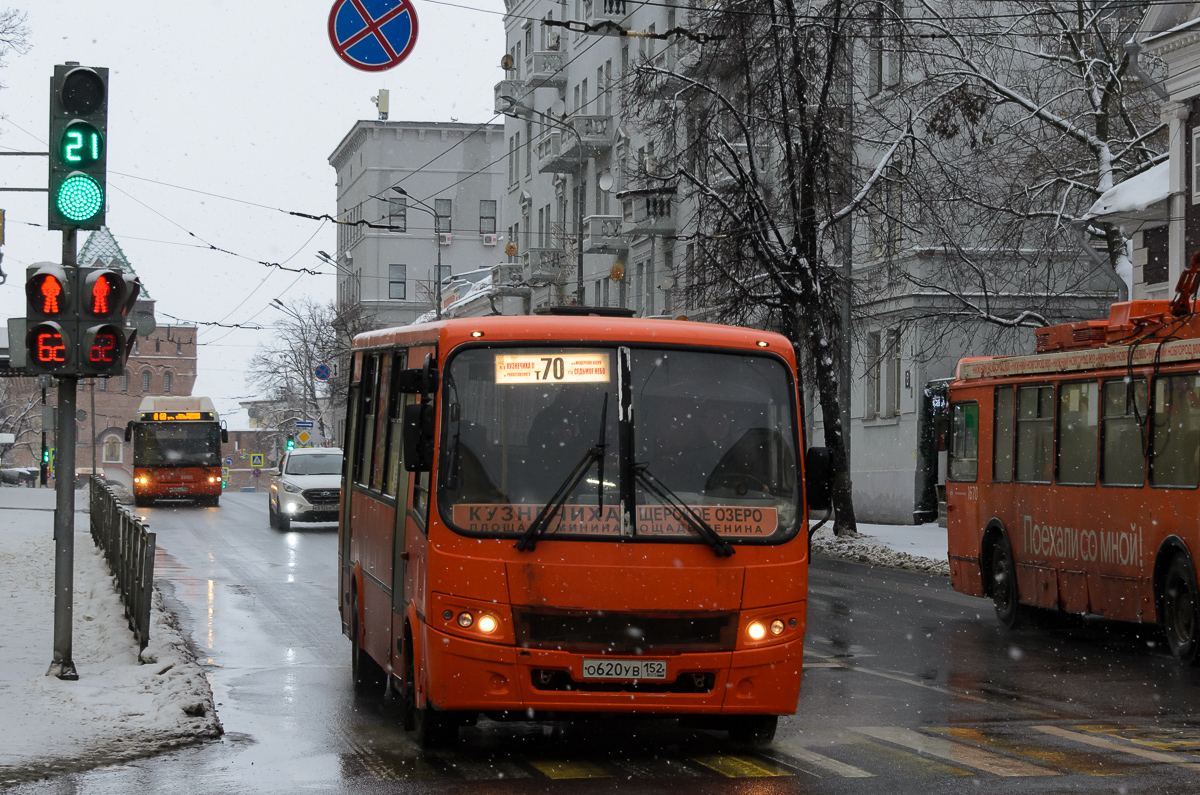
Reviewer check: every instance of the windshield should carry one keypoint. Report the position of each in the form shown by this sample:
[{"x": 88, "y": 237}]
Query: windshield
[
  {"x": 177, "y": 444},
  {"x": 314, "y": 464},
  {"x": 715, "y": 431}
]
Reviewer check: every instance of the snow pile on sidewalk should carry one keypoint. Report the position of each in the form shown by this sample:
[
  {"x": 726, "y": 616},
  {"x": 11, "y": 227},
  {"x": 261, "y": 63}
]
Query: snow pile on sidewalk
[
  {"x": 914, "y": 547},
  {"x": 121, "y": 707}
]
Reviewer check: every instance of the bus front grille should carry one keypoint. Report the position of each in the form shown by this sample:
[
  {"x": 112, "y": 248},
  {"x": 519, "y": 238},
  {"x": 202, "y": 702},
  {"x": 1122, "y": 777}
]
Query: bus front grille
[{"x": 625, "y": 633}]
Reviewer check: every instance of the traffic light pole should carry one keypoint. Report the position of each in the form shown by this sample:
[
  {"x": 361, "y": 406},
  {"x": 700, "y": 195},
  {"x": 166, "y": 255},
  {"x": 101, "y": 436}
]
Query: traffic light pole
[{"x": 62, "y": 664}]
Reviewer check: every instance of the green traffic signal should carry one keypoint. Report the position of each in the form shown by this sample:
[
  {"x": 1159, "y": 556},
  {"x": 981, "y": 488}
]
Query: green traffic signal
[
  {"x": 79, "y": 198},
  {"x": 291, "y": 443},
  {"x": 45, "y": 456}
]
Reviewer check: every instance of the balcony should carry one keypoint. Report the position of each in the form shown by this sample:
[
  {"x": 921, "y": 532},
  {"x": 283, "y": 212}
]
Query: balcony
[
  {"x": 648, "y": 211},
  {"x": 547, "y": 69},
  {"x": 612, "y": 11},
  {"x": 727, "y": 177},
  {"x": 602, "y": 235},
  {"x": 508, "y": 88},
  {"x": 543, "y": 264},
  {"x": 559, "y": 150}
]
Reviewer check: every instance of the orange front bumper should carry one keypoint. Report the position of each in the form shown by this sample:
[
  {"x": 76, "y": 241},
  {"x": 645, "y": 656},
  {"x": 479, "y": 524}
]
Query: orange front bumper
[{"x": 472, "y": 676}]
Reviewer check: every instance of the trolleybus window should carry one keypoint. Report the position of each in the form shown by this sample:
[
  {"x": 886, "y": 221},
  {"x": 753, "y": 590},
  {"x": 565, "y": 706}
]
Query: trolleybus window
[
  {"x": 395, "y": 424},
  {"x": 366, "y": 422},
  {"x": 715, "y": 432},
  {"x": 1003, "y": 434},
  {"x": 1035, "y": 434},
  {"x": 1176, "y": 431},
  {"x": 1124, "y": 459},
  {"x": 1078, "y": 432},
  {"x": 964, "y": 448},
  {"x": 381, "y": 420}
]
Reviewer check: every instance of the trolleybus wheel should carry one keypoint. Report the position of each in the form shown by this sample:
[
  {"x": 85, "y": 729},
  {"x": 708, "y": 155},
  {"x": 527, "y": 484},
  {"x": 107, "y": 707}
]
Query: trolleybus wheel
[
  {"x": 1004, "y": 584},
  {"x": 1181, "y": 618},
  {"x": 365, "y": 672},
  {"x": 750, "y": 731}
]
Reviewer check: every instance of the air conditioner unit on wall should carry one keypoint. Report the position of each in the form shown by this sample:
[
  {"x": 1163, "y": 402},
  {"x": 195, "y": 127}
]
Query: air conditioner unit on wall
[
  {"x": 490, "y": 240},
  {"x": 444, "y": 238}
]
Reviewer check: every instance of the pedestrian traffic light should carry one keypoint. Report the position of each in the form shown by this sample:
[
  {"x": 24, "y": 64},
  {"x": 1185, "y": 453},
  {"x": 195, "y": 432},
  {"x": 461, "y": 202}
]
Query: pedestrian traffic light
[
  {"x": 49, "y": 320},
  {"x": 102, "y": 337},
  {"x": 291, "y": 442},
  {"x": 78, "y": 146}
]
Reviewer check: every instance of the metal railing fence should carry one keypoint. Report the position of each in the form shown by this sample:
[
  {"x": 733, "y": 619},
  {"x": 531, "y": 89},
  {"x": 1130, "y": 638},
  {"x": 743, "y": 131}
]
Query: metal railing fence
[{"x": 128, "y": 546}]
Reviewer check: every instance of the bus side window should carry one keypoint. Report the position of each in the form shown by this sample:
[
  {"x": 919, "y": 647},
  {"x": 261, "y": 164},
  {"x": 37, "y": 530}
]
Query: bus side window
[
  {"x": 1035, "y": 434},
  {"x": 1176, "y": 431},
  {"x": 366, "y": 422},
  {"x": 1004, "y": 429},
  {"x": 964, "y": 445},
  {"x": 395, "y": 423},
  {"x": 1078, "y": 432},
  {"x": 1124, "y": 461},
  {"x": 379, "y": 463}
]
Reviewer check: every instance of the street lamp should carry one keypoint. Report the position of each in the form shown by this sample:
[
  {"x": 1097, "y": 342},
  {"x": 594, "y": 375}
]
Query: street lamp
[
  {"x": 437, "y": 228},
  {"x": 515, "y": 109}
]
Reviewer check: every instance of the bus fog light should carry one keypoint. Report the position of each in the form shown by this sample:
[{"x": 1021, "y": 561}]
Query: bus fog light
[
  {"x": 756, "y": 630},
  {"x": 465, "y": 620},
  {"x": 487, "y": 624},
  {"x": 777, "y": 627}
]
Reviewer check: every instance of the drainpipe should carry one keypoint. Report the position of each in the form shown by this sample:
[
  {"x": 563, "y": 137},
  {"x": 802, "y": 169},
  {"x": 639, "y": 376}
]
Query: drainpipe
[
  {"x": 1133, "y": 50},
  {"x": 1079, "y": 227}
]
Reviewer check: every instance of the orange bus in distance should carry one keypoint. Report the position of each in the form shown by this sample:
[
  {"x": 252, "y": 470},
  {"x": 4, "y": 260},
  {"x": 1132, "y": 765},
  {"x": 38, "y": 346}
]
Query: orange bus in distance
[
  {"x": 176, "y": 450},
  {"x": 1073, "y": 473},
  {"x": 564, "y": 515}
]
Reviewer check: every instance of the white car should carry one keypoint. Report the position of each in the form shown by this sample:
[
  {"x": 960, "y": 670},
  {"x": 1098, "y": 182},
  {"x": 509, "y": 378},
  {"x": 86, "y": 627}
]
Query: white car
[{"x": 308, "y": 487}]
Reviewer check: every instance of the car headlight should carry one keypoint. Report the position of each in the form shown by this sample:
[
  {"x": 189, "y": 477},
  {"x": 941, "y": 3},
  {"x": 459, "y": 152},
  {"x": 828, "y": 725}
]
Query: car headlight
[{"x": 293, "y": 488}]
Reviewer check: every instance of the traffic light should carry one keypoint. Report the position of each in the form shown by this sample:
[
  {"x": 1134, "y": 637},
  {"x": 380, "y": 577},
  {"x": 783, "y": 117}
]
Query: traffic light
[
  {"x": 291, "y": 442},
  {"x": 49, "y": 319},
  {"x": 78, "y": 146},
  {"x": 103, "y": 304}
]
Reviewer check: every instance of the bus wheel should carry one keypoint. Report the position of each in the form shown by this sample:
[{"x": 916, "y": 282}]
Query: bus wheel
[
  {"x": 141, "y": 502},
  {"x": 433, "y": 729},
  {"x": 1004, "y": 584},
  {"x": 364, "y": 671},
  {"x": 1180, "y": 618},
  {"x": 750, "y": 731}
]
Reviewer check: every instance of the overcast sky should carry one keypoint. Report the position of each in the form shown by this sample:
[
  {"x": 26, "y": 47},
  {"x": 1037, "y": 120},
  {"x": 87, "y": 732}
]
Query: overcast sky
[{"x": 243, "y": 99}]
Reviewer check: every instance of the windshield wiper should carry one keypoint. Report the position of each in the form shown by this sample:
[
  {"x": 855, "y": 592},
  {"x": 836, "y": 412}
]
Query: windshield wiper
[
  {"x": 703, "y": 529},
  {"x": 545, "y": 516}
]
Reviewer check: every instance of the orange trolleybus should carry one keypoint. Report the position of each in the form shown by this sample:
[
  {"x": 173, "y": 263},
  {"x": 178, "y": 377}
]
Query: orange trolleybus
[
  {"x": 554, "y": 515},
  {"x": 1073, "y": 472}
]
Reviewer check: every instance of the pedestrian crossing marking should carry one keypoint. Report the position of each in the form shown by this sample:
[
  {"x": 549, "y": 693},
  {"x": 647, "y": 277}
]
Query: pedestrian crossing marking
[
  {"x": 471, "y": 769},
  {"x": 906, "y": 762},
  {"x": 811, "y": 758},
  {"x": 1184, "y": 740},
  {"x": 1073, "y": 762},
  {"x": 1110, "y": 744},
  {"x": 564, "y": 769},
  {"x": 957, "y": 753},
  {"x": 732, "y": 766}
]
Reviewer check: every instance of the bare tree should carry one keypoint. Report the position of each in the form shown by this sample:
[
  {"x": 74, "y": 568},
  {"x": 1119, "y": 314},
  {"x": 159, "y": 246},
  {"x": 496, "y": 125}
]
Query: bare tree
[
  {"x": 20, "y": 414},
  {"x": 283, "y": 371},
  {"x": 14, "y": 35}
]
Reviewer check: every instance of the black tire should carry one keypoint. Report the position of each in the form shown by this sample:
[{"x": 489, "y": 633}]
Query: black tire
[
  {"x": 141, "y": 502},
  {"x": 1181, "y": 610},
  {"x": 283, "y": 522},
  {"x": 272, "y": 516},
  {"x": 1003, "y": 576},
  {"x": 367, "y": 676},
  {"x": 752, "y": 731},
  {"x": 434, "y": 729}
]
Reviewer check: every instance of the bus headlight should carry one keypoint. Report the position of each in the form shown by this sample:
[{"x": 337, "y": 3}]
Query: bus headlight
[
  {"x": 777, "y": 627},
  {"x": 487, "y": 624},
  {"x": 756, "y": 630},
  {"x": 465, "y": 619}
]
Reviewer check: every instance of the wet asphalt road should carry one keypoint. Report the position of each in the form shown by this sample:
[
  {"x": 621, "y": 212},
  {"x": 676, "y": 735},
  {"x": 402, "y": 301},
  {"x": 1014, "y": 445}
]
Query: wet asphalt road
[{"x": 908, "y": 687}]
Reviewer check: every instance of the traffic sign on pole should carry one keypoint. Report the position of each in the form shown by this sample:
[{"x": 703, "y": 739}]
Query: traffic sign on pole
[
  {"x": 373, "y": 35},
  {"x": 322, "y": 372},
  {"x": 304, "y": 423}
]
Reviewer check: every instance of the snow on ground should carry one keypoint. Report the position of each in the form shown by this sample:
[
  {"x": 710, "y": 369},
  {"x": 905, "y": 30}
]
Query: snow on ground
[
  {"x": 122, "y": 706},
  {"x": 914, "y": 547}
]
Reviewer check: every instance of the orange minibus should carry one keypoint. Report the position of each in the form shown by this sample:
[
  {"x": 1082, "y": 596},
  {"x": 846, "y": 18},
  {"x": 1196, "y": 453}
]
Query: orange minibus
[
  {"x": 555, "y": 516},
  {"x": 1073, "y": 472}
]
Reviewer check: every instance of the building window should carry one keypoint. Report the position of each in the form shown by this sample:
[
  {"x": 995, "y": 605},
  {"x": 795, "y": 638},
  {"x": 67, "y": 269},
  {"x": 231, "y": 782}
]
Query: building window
[
  {"x": 487, "y": 216},
  {"x": 112, "y": 450},
  {"x": 1155, "y": 271},
  {"x": 157, "y": 345},
  {"x": 398, "y": 213},
  {"x": 102, "y": 384},
  {"x": 146, "y": 381},
  {"x": 179, "y": 347},
  {"x": 398, "y": 282},
  {"x": 871, "y": 406},
  {"x": 443, "y": 208},
  {"x": 167, "y": 383},
  {"x": 125, "y": 381}
]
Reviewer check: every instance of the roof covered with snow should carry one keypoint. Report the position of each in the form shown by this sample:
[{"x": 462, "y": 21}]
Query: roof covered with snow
[
  {"x": 101, "y": 248},
  {"x": 1137, "y": 198}
]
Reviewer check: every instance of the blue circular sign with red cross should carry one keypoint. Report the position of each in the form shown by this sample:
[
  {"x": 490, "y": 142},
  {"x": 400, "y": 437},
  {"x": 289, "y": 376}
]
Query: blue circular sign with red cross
[
  {"x": 373, "y": 35},
  {"x": 323, "y": 372}
]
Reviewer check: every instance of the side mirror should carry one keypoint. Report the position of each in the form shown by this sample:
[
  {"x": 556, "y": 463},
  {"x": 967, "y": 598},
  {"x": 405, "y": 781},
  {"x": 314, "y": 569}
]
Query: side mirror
[
  {"x": 419, "y": 380},
  {"x": 418, "y": 437},
  {"x": 129, "y": 431},
  {"x": 818, "y": 478}
]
